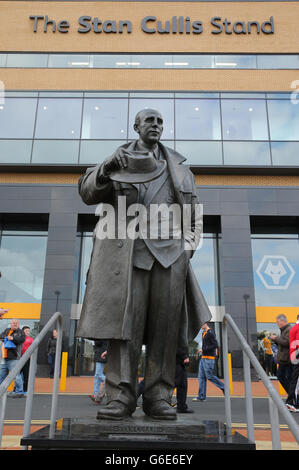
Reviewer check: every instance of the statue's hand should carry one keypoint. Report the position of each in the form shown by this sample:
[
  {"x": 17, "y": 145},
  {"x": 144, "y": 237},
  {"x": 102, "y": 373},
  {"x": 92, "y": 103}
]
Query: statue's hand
[{"x": 116, "y": 161}]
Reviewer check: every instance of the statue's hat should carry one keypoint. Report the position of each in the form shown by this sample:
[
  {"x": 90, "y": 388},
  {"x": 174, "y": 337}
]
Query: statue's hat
[{"x": 141, "y": 168}]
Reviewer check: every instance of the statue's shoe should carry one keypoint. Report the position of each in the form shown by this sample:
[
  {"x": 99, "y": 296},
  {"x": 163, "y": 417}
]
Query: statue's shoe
[
  {"x": 114, "y": 410},
  {"x": 160, "y": 409}
]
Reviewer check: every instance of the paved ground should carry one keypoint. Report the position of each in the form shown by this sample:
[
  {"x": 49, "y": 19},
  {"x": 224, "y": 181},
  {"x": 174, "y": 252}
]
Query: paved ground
[{"x": 74, "y": 402}]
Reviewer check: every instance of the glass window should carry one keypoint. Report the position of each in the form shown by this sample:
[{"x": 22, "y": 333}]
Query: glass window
[
  {"x": 110, "y": 61},
  {"x": 105, "y": 119},
  {"x": 278, "y": 61},
  {"x": 244, "y": 119},
  {"x": 22, "y": 261},
  {"x": 196, "y": 95},
  {"x": 55, "y": 151},
  {"x": 204, "y": 262},
  {"x": 246, "y": 153},
  {"x": 285, "y": 153},
  {"x": 22, "y": 94},
  {"x": 2, "y": 60},
  {"x": 283, "y": 120},
  {"x": 150, "y": 61},
  {"x": 15, "y": 151},
  {"x": 61, "y": 94},
  {"x": 17, "y": 116},
  {"x": 235, "y": 61},
  {"x": 71, "y": 60},
  {"x": 27, "y": 60},
  {"x": 276, "y": 271},
  {"x": 105, "y": 94},
  {"x": 95, "y": 151},
  {"x": 200, "y": 153},
  {"x": 149, "y": 94},
  {"x": 243, "y": 95},
  {"x": 192, "y": 61},
  {"x": 86, "y": 249},
  {"x": 281, "y": 96},
  {"x": 58, "y": 119},
  {"x": 164, "y": 106},
  {"x": 197, "y": 119}
]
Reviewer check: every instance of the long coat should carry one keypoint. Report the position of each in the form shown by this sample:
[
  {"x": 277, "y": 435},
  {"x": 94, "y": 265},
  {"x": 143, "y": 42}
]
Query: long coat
[{"x": 106, "y": 307}]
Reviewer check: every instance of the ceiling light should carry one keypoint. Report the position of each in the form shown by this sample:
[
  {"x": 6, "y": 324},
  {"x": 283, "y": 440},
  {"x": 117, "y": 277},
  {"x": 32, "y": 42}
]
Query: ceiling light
[
  {"x": 78, "y": 63},
  {"x": 226, "y": 64},
  {"x": 176, "y": 63}
]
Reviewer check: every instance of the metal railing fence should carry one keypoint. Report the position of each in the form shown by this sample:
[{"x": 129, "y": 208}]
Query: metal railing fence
[
  {"x": 31, "y": 354},
  {"x": 276, "y": 405}
]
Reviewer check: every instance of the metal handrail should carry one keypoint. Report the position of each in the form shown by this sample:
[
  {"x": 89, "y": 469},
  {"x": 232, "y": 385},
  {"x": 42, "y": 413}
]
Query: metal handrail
[
  {"x": 275, "y": 402},
  {"x": 32, "y": 353}
]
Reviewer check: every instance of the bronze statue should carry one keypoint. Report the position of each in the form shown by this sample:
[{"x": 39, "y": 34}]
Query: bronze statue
[{"x": 143, "y": 290}]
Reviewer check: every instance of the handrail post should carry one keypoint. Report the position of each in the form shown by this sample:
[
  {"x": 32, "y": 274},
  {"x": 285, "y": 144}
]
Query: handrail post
[
  {"x": 227, "y": 401},
  {"x": 275, "y": 429},
  {"x": 56, "y": 379},
  {"x": 248, "y": 397},
  {"x": 2, "y": 413},
  {"x": 273, "y": 394},
  {"x": 29, "y": 399}
]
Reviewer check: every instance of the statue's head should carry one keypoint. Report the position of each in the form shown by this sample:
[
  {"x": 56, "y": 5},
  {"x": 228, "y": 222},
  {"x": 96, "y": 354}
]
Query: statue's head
[{"x": 149, "y": 125}]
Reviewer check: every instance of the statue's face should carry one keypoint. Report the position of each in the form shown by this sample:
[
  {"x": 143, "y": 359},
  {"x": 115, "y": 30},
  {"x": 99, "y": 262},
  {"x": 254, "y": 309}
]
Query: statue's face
[{"x": 150, "y": 126}]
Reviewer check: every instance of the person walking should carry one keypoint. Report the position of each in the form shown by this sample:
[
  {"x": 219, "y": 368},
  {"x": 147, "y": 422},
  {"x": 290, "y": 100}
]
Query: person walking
[
  {"x": 25, "y": 370},
  {"x": 207, "y": 363},
  {"x": 181, "y": 380},
  {"x": 51, "y": 352},
  {"x": 12, "y": 338},
  {"x": 268, "y": 355},
  {"x": 285, "y": 367},
  {"x": 100, "y": 357},
  {"x": 292, "y": 401}
]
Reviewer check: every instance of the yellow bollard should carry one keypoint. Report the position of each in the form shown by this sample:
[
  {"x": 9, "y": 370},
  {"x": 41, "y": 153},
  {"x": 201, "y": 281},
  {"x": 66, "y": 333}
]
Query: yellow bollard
[
  {"x": 11, "y": 386},
  {"x": 59, "y": 424},
  {"x": 230, "y": 373},
  {"x": 63, "y": 371}
]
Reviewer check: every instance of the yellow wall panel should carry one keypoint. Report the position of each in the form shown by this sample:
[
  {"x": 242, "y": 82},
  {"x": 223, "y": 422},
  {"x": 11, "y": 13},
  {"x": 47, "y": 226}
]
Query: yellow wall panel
[
  {"x": 269, "y": 314},
  {"x": 22, "y": 310}
]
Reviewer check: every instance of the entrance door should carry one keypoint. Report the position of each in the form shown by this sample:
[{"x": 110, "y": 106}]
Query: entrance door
[{"x": 84, "y": 361}]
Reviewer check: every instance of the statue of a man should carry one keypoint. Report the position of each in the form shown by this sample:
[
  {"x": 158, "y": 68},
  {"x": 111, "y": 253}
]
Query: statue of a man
[{"x": 143, "y": 290}]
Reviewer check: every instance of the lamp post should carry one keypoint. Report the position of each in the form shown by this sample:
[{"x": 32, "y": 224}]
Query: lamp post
[{"x": 57, "y": 293}]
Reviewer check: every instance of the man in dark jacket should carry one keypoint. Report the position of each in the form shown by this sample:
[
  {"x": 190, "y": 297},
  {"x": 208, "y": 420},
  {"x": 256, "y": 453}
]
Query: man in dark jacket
[
  {"x": 11, "y": 355},
  {"x": 207, "y": 363},
  {"x": 100, "y": 358},
  {"x": 285, "y": 367}
]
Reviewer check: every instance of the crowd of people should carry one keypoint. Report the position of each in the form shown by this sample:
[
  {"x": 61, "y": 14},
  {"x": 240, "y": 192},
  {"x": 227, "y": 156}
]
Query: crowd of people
[
  {"x": 280, "y": 359},
  {"x": 15, "y": 342},
  {"x": 279, "y": 356}
]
